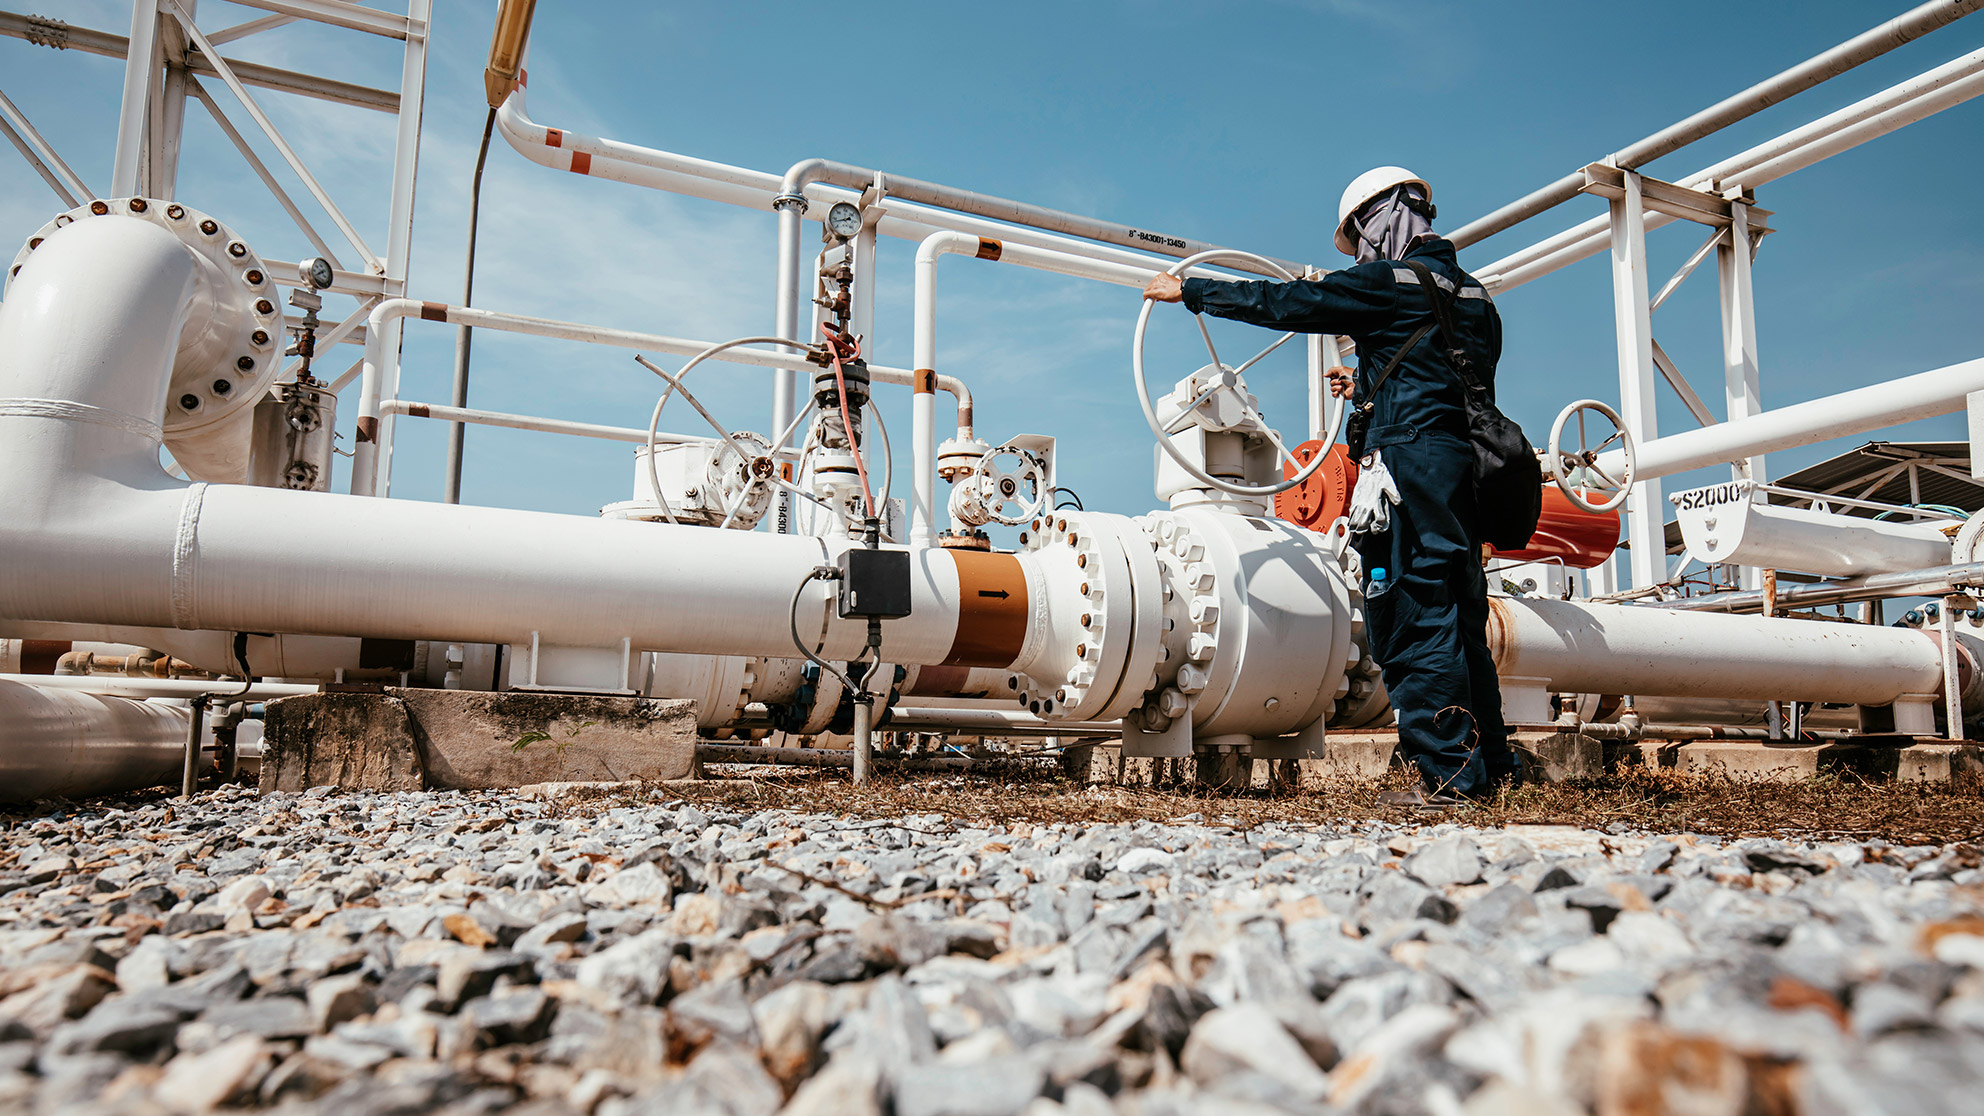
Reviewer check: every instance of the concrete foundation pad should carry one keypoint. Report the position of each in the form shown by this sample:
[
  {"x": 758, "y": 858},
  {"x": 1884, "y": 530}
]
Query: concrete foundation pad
[
  {"x": 1356, "y": 755},
  {"x": 1552, "y": 757},
  {"x": 405, "y": 739},
  {"x": 1874, "y": 757}
]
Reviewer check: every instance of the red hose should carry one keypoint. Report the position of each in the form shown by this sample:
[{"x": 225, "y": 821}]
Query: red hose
[{"x": 834, "y": 342}]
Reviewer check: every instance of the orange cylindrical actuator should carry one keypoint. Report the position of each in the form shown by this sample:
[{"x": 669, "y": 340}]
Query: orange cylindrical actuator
[
  {"x": 1317, "y": 502},
  {"x": 1568, "y": 533}
]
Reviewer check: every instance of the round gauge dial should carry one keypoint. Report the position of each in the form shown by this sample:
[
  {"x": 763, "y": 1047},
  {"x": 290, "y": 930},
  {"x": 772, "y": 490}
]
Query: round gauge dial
[
  {"x": 844, "y": 220},
  {"x": 317, "y": 272}
]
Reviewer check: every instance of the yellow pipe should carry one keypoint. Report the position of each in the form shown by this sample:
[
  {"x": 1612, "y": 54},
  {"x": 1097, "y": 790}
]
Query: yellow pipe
[{"x": 506, "y": 49}]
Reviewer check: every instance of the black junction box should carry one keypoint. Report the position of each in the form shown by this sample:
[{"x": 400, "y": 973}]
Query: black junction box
[{"x": 874, "y": 583}]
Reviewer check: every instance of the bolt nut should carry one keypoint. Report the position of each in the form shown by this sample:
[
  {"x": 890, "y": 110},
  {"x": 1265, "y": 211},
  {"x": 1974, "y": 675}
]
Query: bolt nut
[
  {"x": 237, "y": 249},
  {"x": 1188, "y": 548},
  {"x": 1081, "y": 561},
  {"x": 33, "y": 243},
  {"x": 264, "y": 306},
  {"x": 99, "y": 207},
  {"x": 209, "y": 227},
  {"x": 1201, "y": 646},
  {"x": 1166, "y": 530},
  {"x": 253, "y": 276},
  {"x": 260, "y": 336},
  {"x": 246, "y": 363},
  {"x": 1087, "y": 620},
  {"x": 1171, "y": 703},
  {"x": 175, "y": 211},
  {"x": 1205, "y": 610},
  {"x": 139, "y": 205},
  {"x": 1192, "y": 679},
  {"x": 222, "y": 387},
  {"x": 1199, "y": 576},
  {"x": 189, "y": 402}
]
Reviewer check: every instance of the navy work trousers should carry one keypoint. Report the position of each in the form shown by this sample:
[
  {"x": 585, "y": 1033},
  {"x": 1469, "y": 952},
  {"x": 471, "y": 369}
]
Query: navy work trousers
[{"x": 1427, "y": 620}]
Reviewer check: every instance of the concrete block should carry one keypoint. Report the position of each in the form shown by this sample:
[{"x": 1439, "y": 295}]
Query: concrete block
[
  {"x": 1938, "y": 763},
  {"x": 1552, "y": 757},
  {"x": 354, "y": 741},
  {"x": 479, "y": 740},
  {"x": 1357, "y": 755}
]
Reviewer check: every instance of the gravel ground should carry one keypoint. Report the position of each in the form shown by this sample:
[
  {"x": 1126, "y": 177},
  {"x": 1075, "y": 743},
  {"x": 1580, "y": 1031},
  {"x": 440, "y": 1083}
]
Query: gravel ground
[{"x": 357, "y": 954}]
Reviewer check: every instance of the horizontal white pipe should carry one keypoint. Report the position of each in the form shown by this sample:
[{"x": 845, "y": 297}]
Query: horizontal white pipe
[
  {"x": 364, "y": 469},
  {"x": 1921, "y": 96},
  {"x": 993, "y": 721},
  {"x": 1582, "y": 647},
  {"x": 475, "y": 417},
  {"x": 126, "y": 687},
  {"x": 1923, "y": 395},
  {"x": 1819, "y": 68},
  {"x": 60, "y": 741}
]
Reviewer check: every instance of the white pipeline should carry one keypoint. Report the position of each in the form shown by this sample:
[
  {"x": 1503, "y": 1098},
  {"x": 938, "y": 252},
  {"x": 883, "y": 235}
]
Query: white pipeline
[{"x": 1583, "y": 647}]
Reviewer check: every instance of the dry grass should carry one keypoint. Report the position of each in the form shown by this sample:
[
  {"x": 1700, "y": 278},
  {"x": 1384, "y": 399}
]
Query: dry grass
[{"x": 1825, "y": 808}]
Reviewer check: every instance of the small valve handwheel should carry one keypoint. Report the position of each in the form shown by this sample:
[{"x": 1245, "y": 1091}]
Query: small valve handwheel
[
  {"x": 1301, "y": 471},
  {"x": 1575, "y": 470},
  {"x": 1008, "y": 487}
]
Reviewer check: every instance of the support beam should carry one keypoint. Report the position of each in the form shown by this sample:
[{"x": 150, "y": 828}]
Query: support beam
[
  {"x": 255, "y": 163},
  {"x": 42, "y": 155},
  {"x": 1633, "y": 319},
  {"x": 399, "y": 234},
  {"x": 1741, "y": 379},
  {"x": 140, "y": 64},
  {"x": 53, "y": 33}
]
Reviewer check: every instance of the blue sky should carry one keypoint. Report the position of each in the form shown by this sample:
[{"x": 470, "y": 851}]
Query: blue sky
[{"x": 1236, "y": 123}]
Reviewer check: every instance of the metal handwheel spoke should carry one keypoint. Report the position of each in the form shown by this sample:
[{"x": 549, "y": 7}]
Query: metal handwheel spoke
[
  {"x": 676, "y": 383},
  {"x": 1583, "y": 441},
  {"x": 1185, "y": 416},
  {"x": 1609, "y": 479},
  {"x": 1616, "y": 436},
  {"x": 1207, "y": 334},
  {"x": 798, "y": 491},
  {"x": 1258, "y": 357},
  {"x": 1274, "y": 438}
]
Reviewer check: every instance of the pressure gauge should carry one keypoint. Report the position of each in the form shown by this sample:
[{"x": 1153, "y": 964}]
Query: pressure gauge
[
  {"x": 317, "y": 272},
  {"x": 844, "y": 220}
]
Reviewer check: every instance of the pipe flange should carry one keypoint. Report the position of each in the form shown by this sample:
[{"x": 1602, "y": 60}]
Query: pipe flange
[
  {"x": 1078, "y": 554},
  {"x": 227, "y": 356},
  {"x": 1190, "y": 636}
]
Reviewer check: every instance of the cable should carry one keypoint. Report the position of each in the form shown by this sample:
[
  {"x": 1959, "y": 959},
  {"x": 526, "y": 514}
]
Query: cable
[
  {"x": 834, "y": 341},
  {"x": 464, "y": 338},
  {"x": 1070, "y": 494},
  {"x": 825, "y": 573}
]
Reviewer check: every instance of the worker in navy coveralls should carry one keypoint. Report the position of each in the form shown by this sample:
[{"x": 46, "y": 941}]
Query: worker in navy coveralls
[{"x": 1427, "y": 618}]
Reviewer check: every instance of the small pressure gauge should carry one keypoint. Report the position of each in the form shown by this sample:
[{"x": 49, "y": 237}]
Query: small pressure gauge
[
  {"x": 844, "y": 220},
  {"x": 317, "y": 272}
]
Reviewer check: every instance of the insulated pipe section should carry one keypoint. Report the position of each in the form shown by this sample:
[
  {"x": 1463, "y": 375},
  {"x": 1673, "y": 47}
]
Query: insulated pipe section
[
  {"x": 65, "y": 742},
  {"x": 1819, "y": 68},
  {"x": 1924, "y": 395},
  {"x": 1582, "y": 647},
  {"x": 98, "y": 534}
]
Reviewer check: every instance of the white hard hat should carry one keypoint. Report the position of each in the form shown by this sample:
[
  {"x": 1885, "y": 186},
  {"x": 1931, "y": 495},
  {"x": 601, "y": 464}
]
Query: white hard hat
[{"x": 1362, "y": 189}]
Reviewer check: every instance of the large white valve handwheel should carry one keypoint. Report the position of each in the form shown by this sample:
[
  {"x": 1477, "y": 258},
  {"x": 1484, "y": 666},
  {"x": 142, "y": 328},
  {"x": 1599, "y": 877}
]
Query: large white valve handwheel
[
  {"x": 1574, "y": 470},
  {"x": 1302, "y": 472}
]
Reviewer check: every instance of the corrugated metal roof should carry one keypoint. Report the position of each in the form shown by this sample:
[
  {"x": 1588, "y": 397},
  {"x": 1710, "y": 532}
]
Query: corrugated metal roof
[{"x": 1880, "y": 472}]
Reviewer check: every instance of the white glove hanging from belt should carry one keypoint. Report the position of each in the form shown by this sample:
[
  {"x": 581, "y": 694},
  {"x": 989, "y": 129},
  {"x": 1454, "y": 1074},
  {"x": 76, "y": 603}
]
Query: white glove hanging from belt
[{"x": 1371, "y": 500}]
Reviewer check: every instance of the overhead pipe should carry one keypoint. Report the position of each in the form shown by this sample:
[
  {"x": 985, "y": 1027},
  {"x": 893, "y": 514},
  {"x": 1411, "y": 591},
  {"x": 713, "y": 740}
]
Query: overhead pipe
[
  {"x": 923, "y": 342},
  {"x": 1821, "y": 594},
  {"x": 99, "y": 534},
  {"x": 1924, "y": 95},
  {"x": 1923, "y": 395},
  {"x": 1819, "y": 68}
]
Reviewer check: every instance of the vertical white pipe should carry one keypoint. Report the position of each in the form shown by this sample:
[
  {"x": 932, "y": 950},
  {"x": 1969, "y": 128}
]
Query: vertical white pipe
[
  {"x": 1952, "y": 696},
  {"x": 399, "y": 234},
  {"x": 785, "y": 323},
  {"x": 1633, "y": 322},
  {"x": 1742, "y": 386},
  {"x": 923, "y": 424}
]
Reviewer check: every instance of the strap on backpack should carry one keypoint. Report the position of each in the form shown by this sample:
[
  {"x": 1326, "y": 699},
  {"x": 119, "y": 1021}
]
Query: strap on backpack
[
  {"x": 1443, "y": 316},
  {"x": 1398, "y": 358}
]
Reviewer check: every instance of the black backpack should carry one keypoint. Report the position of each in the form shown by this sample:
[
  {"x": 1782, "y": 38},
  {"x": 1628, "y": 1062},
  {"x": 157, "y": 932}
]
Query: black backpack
[{"x": 1508, "y": 479}]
